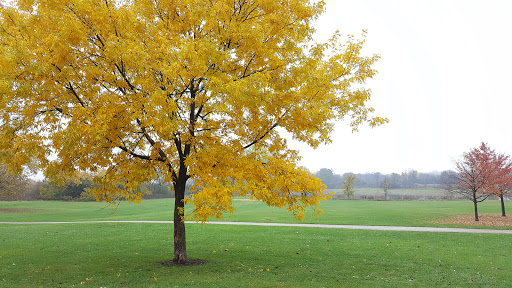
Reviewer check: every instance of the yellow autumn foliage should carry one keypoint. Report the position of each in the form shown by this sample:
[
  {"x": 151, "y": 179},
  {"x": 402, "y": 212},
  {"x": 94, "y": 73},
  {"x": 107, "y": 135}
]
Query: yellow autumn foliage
[{"x": 192, "y": 89}]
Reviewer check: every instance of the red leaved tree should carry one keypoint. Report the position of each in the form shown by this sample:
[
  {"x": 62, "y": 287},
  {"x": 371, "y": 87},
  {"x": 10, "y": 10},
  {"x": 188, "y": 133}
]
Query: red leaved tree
[
  {"x": 480, "y": 173},
  {"x": 500, "y": 182}
]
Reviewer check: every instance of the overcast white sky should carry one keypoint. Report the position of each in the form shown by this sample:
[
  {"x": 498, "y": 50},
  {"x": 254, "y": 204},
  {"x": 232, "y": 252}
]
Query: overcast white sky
[{"x": 444, "y": 82}]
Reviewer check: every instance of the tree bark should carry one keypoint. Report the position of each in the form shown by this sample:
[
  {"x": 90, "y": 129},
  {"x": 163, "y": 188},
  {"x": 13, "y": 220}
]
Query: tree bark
[
  {"x": 475, "y": 203},
  {"x": 502, "y": 206},
  {"x": 180, "y": 244}
]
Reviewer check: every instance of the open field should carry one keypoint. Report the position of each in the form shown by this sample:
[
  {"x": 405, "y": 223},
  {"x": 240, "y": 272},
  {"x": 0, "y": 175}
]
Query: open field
[
  {"x": 353, "y": 212},
  {"x": 129, "y": 254},
  {"x": 380, "y": 191},
  {"x": 397, "y": 194}
]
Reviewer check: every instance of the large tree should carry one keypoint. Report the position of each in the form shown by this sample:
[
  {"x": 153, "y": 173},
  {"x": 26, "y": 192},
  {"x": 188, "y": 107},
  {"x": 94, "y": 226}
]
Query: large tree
[{"x": 185, "y": 87}]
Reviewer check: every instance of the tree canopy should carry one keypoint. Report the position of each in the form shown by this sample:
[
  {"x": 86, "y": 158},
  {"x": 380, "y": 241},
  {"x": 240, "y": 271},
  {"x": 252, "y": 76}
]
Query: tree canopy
[{"x": 180, "y": 87}]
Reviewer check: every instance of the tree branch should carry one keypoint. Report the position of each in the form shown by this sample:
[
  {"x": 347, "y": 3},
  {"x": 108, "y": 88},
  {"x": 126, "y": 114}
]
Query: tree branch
[
  {"x": 262, "y": 136},
  {"x": 72, "y": 90},
  {"x": 123, "y": 73},
  {"x": 140, "y": 156}
]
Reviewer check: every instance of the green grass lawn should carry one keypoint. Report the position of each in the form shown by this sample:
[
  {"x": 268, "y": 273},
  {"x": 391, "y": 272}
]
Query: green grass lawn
[
  {"x": 129, "y": 254},
  {"x": 42, "y": 211},
  {"x": 357, "y": 212},
  {"x": 361, "y": 212}
]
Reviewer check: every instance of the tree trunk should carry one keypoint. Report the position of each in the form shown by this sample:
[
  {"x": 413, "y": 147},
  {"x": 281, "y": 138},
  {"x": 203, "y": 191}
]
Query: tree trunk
[
  {"x": 476, "y": 210},
  {"x": 475, "y": 203},
  {"x": 180, "y": 244},
  {"x": 502, "y": 206}
]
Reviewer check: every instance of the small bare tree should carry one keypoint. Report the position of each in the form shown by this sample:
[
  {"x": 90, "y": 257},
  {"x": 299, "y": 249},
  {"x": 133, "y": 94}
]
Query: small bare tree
[{"x": 385, "y": 187}]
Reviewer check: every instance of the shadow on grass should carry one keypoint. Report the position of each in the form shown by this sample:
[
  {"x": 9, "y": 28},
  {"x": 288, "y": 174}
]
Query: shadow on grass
[{"x": 190, "y": 262}]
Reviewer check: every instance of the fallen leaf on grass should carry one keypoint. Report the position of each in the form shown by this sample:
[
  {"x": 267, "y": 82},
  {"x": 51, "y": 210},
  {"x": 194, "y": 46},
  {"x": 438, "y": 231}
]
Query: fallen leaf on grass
[{"x": 484, "y": 220}]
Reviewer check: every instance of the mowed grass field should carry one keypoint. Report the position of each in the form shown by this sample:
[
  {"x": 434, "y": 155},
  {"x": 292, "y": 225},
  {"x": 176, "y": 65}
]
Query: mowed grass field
[
  {"x": 348, "y": 212},
  {"x": 129, "y": 254}
]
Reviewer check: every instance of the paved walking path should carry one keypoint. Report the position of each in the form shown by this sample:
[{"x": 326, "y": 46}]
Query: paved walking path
[{"x": 356, "y": 227}]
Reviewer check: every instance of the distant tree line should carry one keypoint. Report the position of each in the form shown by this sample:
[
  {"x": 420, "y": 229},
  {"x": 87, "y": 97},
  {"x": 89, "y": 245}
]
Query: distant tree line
[
  {"x": 407, "y": 179},
  {"x": 19, "y": 187},
  {"x": 14, "y": 187}
]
